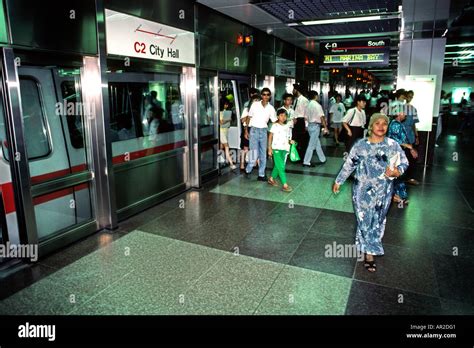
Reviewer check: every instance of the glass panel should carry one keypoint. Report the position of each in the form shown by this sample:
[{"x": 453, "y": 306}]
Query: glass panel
[
  {"x": 59, "y": 210},
  {"x": 35, "y": 127},
  {"x": 207, "y": 114},
  {"x": 147, "y": 112},
  {"x": 227, "y": 94},
  {"x": 244, "y": 94},
  {"x": 74, "y": 121},
  {"x": 206, "y": 109}
]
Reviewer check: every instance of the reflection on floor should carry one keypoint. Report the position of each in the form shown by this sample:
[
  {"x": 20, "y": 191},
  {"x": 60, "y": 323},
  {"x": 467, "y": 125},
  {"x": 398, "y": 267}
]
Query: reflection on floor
[{"x": 239, "y": 246}]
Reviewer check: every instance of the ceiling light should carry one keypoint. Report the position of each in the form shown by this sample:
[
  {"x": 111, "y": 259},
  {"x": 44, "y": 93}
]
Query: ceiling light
[
  {"x": 343, "y": 20},
  {"x": 462, "y": 45}
]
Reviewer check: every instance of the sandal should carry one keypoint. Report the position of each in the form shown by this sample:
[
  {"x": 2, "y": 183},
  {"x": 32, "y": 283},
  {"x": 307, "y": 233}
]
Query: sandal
[
  {"x": 287, "y": 189},
  {"x": 272, "y": 182},
  {"x": 370, "y": 265}
]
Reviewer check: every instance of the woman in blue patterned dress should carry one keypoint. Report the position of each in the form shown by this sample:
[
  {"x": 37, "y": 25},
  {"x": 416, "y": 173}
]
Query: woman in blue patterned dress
[
  {"x": 377, "y": 160},
  {"x": 397, "y": 132}
]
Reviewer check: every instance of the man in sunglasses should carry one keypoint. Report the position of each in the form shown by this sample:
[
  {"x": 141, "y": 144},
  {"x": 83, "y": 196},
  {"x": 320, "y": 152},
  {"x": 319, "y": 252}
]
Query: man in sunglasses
[{"x": 260, "y": 113}]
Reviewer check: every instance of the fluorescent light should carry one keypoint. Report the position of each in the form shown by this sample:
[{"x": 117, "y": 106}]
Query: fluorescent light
[
  {"x": 462, "y": 45},
  {"x": 343, "y": 20},
  {"x": 460, "y": 52}
]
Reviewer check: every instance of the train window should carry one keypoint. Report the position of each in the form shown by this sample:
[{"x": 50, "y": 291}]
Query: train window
[
  {"x": 34, "y": 120},
  {"x": 206, "y": 107},
  {"x": 144, "y": 109},
  {"x": 74, "y": 122},
  {"x": 35, "y": 126}
]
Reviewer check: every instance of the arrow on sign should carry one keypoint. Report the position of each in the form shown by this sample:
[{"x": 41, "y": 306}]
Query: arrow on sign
[
  {"x": 156, "y": 34},
  {"x": 328, "y": 46}
]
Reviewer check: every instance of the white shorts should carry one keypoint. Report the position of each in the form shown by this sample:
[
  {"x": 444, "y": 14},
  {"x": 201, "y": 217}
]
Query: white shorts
[{"x": 223, "y": 134}]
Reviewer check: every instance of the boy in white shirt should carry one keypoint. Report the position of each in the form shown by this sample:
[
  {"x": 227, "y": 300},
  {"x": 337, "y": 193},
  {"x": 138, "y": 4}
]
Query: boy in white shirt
[{"x": 279, "y": 142}]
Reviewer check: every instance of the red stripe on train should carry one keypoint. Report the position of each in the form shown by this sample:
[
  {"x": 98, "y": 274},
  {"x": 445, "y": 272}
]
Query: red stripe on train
[
  {"x": 7, "y": 188},
  {"x": 8, "y": 197}
]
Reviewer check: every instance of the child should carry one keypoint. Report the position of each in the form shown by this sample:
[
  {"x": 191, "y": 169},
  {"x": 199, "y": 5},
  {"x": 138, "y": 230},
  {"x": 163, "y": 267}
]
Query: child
[
  {"x": 225, "y": 120},
  {"x": 337, "y": 112},
  {"x": 279, "y": 142}
]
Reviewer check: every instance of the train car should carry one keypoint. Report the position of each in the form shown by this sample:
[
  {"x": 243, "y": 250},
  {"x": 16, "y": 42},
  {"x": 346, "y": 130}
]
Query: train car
[{"x": 115, "y": 110}]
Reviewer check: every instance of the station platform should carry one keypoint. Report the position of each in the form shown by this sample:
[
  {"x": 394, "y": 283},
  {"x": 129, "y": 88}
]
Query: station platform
[{"x": 240, "y": 246}]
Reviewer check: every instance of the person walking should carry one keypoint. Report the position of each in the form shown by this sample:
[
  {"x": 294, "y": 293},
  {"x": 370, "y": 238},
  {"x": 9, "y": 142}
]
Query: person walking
[
  {"x": 225, "y": 117},
  {"x": 260, "y": 113},
  {"x": 397, "y": 132},
  {"x": 314, "y": 119},
  {"x": 409, "y": 124},
  {"x": 279, "y": 141},
  {"x": 245, "y": 133},
  {"x": 299, "y": 129},
  {"x": 337, "y": 113},
  {"x": 377, "y": 160},
  {"x": 354, "y": 122}
]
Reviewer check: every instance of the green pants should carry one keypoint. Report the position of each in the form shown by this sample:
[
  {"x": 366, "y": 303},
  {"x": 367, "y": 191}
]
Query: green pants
[{"x": 279, "y": 157}]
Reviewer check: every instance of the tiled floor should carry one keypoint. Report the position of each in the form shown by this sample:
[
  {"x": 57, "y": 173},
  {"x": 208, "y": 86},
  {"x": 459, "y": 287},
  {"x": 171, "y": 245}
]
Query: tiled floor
[{"x": 239, "y": 246}]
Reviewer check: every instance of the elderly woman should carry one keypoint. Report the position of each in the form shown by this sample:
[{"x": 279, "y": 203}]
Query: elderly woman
[{"x": 377, "y": 160}]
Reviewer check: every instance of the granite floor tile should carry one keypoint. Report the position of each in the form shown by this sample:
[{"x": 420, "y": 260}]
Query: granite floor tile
[
  {"x": 452, "y": 275},
  {"x": 371, "y": 299},
  {"x": 299, "y": 291},
  {"x": 335, "y": 223},
  {"x": 402, "y": 268},
  {"x": 235, "y": 285},
  {"x": 319, "y": 252}
]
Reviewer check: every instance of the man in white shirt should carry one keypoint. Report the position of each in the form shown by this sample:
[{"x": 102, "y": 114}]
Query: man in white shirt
[
  {"x": 314, "y": 119},
  {"x": 260, "y": 113},
  {"x": 354, "y": 122},
  {"x": 299, "y": 131}
]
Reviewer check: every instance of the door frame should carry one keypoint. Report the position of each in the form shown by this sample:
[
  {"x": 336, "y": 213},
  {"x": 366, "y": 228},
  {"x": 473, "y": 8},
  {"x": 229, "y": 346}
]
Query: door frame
[
  {"x": 19, "y": 164},
  {"x": 212, "y": 173},
  {"x": 24, "y": 190}
]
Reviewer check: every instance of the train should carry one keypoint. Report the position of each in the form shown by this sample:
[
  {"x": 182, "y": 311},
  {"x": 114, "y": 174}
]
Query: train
[{"x": 94, "y": 129}]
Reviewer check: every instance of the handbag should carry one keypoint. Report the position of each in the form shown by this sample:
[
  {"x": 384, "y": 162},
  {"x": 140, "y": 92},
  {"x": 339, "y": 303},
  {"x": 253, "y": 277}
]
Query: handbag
[{"x": 294, "y": 155}]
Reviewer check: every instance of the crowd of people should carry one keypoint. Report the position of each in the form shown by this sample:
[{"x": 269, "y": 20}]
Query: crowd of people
[{"x": 381, "y": 152}]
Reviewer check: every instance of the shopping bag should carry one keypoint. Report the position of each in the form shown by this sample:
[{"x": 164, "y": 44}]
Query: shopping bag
[{"x": 294, "y": 155}]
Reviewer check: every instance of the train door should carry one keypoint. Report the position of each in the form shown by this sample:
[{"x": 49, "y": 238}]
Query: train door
[
  {"x": 149, "y": 128},
  {"x": 208, "y": 124},
  {"x": 46, "y": 151},
  {"x": 234, "y": 88}
]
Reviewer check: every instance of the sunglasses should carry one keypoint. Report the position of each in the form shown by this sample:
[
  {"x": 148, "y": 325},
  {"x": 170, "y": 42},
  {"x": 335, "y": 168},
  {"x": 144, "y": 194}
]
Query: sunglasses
[{"x": 266, "y": 94}]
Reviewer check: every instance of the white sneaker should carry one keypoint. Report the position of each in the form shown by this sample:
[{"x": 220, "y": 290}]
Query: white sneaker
[{"x": 233, "y": 167}]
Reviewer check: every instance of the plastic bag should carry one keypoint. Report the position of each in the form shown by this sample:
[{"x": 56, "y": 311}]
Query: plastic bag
[{"x": 294, "y": 155}]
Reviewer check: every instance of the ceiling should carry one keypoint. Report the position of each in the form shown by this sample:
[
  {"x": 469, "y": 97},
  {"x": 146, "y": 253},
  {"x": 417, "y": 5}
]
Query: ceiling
[
  {"x": 282, "y": 18},
  {"x": 275, "y": 17},
  {"x": 459, "y": 57}
]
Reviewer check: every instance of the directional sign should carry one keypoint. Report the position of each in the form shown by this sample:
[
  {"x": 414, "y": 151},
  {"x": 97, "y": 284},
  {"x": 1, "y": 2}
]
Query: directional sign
[{"x": 356, "y": 53}]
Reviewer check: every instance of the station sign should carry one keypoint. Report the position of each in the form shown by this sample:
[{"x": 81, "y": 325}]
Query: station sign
[
  {"x": 132, "y": 36},
  {"x": 355, "y": 53},
  {"x": 285, "y": 67}
]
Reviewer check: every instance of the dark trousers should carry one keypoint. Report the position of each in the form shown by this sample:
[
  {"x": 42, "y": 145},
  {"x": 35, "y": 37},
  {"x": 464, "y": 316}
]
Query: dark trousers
[
  {"x": 300, "y": 136},
  {"x": 357, "y": 133},
  {"x": 410, "y": 172}
]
